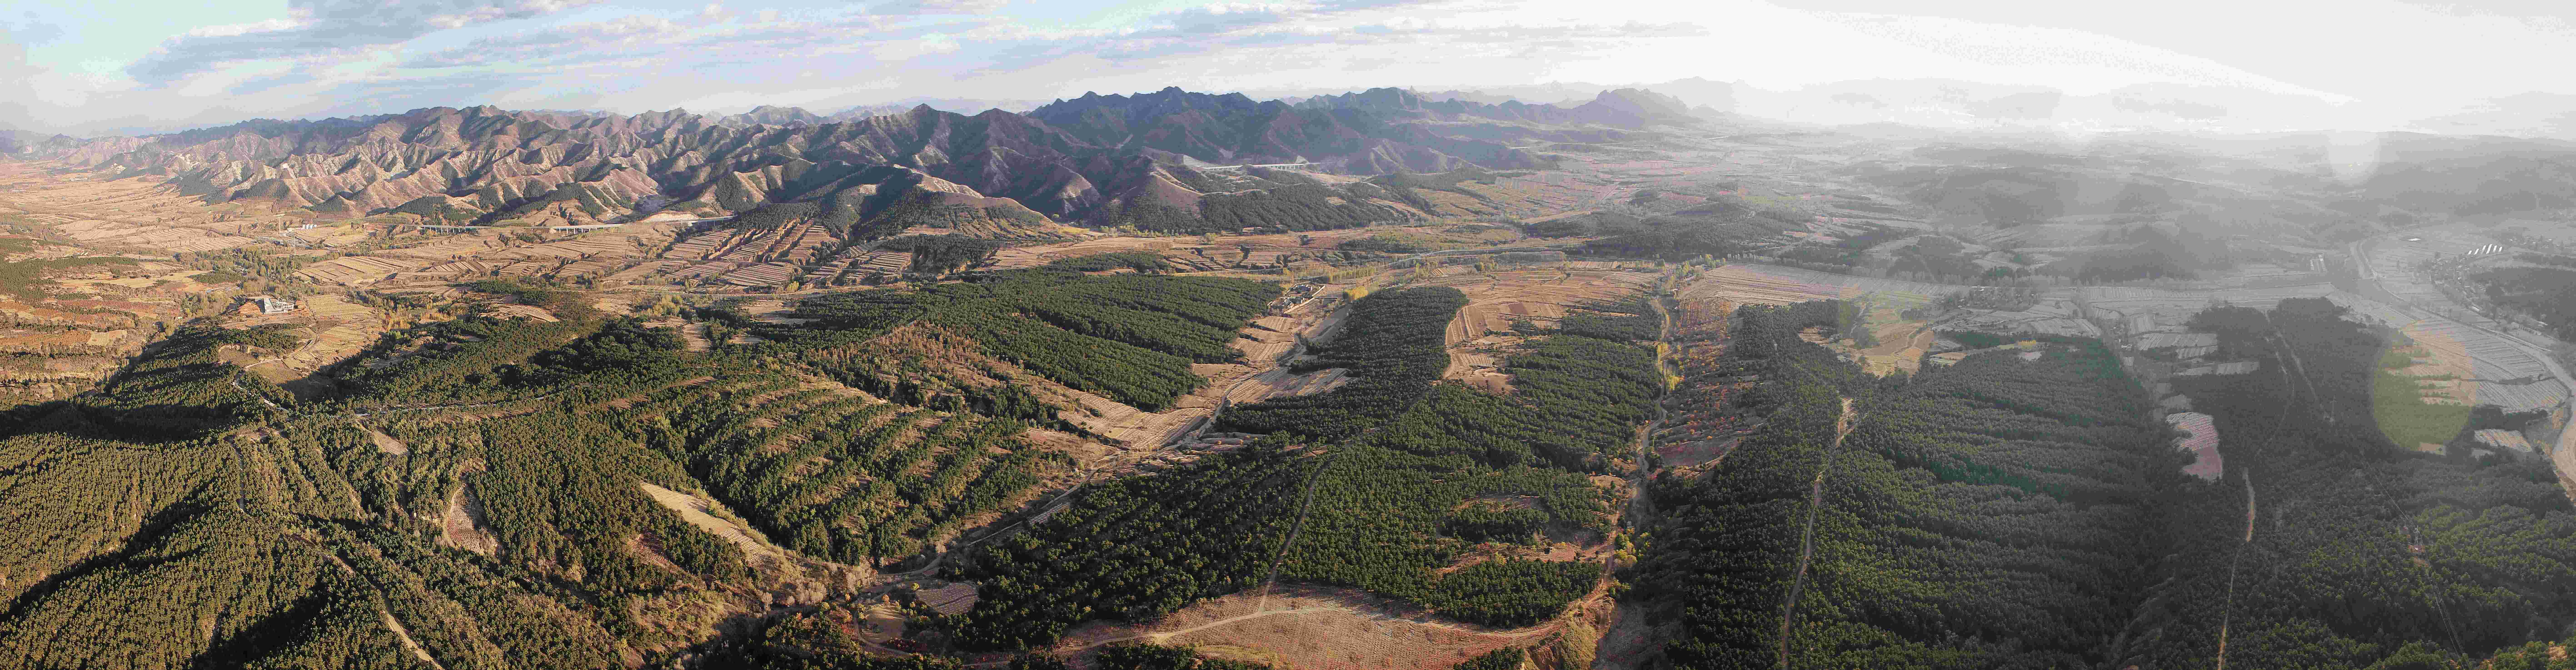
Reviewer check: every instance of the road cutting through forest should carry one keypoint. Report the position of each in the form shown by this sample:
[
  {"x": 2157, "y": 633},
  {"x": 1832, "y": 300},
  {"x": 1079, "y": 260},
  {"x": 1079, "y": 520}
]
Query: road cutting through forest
[{"x": 1807, "y": 537}]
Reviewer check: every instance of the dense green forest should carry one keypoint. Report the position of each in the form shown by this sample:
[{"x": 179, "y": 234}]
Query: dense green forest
[
  {"x": 2399, "y": 553},
  {"x": 192, "y": 383},
  {"x": 1628, "y": 321},
  {"x": 1397, "y": 499},
  {"x": 1393, "y": 347},
  {"x": 1140, "y": 261},
  {"x": 1138, "y": 547},
  {"x": 2545, "y": 293},
  {"x": 1989, "y": 514},
  {"x": 1382, "y": 483},
  {"x": 941, "y": 254},
  {"x": 2021, "y": 509},
  {"x": 1128, "y": 337}
]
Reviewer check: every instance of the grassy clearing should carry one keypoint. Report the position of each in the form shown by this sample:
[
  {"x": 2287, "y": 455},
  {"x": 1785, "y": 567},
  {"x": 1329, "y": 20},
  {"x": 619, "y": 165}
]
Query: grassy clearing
[{"x": 2397, "y": 401}]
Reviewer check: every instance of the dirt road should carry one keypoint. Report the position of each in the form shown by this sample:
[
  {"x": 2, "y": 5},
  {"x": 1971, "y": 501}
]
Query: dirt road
[
  {"x": 1645, "y": 435},
  {"x": 1807, "y": 537},
  {"x": 2234, "y": 562}
]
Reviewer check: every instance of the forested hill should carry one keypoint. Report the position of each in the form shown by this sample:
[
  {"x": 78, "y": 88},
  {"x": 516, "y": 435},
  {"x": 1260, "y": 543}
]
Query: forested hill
[
  {"x": 585, "y": 493},
  {"x": 2021, "y": 509}
]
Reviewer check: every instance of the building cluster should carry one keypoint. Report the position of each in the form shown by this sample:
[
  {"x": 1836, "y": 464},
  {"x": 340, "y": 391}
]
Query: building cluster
[
  {"x": 261, "y": 305},
  {"x": 1296, "y": 295}
]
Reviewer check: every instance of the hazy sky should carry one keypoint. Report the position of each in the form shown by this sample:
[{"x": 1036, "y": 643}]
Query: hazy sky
[{"x": 94, "y": 66}]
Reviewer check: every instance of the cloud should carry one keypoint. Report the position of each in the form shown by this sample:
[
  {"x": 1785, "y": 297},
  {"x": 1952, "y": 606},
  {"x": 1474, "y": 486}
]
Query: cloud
[
  {"x": 2043, "y": 47},
  {"x": 1192, "y": 30},
  {"x": 922, "y": 7},
  {"x": 322, "y": 27},
  {"x": 15, "y": 73},
  {"x": 1216, "y": 19},
  {"x": 34, "y": 31},
  {"x": 1368, "y": 64},
  {"x": 557, "y": 41}
]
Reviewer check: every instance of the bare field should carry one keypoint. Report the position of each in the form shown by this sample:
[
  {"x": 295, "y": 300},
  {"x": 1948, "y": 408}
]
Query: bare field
[
  {"x": 1760, "y": 285},
  {"x": 2447, "y": 361},
  {"x": 1313, "y": 627}
]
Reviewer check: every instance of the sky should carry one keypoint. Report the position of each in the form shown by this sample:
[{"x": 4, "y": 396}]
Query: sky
[{"x": 146, "y": 65}]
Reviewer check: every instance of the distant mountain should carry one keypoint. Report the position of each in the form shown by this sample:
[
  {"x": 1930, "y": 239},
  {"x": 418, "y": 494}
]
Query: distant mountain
[
  {"x": 1694, "y": 92},
  {"x": 2469, "y": 176},
  {"x": 1100, "y": 160},
  {"x": 14, "y": 142},
  {"x": 2535, "y": 114},
  {"x": 1476, "y": 96},
  {"x": 1957, "y": 104},
  {"x": 775, "y": 116},
  {"x": 43, "y": 146},
  {"x": 1234, "y": 129},
  {"x": 483, "y": 163},
  {"x": 798, "y": 116},
  {"x": 1631, "y": 109}
]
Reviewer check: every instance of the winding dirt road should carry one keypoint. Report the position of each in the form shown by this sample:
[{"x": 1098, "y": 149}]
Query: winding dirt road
[{"x": 1807, "y": 537}]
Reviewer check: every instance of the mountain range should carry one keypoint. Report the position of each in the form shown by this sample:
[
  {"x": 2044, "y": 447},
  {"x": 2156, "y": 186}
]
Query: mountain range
[{"x": 1154, "y": 160}]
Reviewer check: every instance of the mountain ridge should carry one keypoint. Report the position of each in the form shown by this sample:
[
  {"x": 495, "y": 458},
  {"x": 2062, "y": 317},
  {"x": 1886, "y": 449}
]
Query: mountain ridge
[{"x": 1097, "y": 160}]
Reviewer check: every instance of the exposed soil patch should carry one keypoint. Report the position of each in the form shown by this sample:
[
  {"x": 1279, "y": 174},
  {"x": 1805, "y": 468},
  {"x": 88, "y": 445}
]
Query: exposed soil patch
[
  {"x": 387, "y": 443},
  {"x": 462, "y": 525},
  {"x": 1628, "y": 642},
  {"x": 694, "y": 510},
  {"x": 1313, "y": 627}
]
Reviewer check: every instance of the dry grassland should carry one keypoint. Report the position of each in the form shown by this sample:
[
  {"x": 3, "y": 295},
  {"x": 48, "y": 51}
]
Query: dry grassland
[{"x": 138, "y": 214}]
